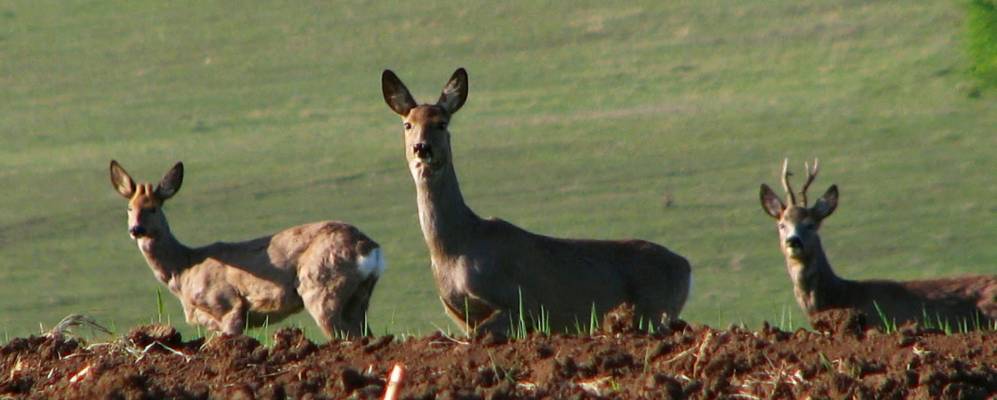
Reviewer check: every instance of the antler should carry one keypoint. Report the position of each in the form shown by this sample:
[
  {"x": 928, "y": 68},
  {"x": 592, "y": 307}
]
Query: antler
[
  {"x": 791, "y": 198},
  {"x": 811, "y": 174}
]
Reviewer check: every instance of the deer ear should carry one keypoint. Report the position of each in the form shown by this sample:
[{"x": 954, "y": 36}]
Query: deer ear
[
  {"x": 121, "y": 181},
  {"x": 827, "y": 203},
  {"x": 770, "y": 202},
  {"x": 396, "y": 94},
  {"x": 171, "y": 182},
  {"x": 455, "y": 92}
]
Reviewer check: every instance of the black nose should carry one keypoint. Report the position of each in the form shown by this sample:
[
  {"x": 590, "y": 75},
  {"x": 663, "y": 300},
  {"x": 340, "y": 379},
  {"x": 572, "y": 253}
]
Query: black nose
[
  {"x": 422, "y": 150},
  {"x": 136, "y": 231},
  {"x": 794, "y": 243}
]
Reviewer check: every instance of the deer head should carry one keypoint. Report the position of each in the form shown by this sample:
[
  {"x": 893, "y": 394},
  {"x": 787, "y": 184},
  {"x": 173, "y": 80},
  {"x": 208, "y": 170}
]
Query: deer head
[
  {"x": 798, "y": 224},
  {"x": 145, "y": 203},
  {"x": 427, "y": 140}
]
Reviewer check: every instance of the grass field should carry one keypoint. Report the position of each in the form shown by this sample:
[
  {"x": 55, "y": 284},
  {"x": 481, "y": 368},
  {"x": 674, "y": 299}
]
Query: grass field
[{"x": 582, "y": 118}]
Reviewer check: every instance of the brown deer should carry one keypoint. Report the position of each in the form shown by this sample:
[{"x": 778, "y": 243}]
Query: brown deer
[
  {"x": 969, "y": 301},
  {"x": 487, "y": 270},
  {"x": 329, "y": 268}
]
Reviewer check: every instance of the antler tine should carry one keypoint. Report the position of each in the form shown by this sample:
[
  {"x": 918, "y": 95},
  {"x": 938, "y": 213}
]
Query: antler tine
[
  {"x": 791, "y": 198},
  {"x": 811, "y": 175}
]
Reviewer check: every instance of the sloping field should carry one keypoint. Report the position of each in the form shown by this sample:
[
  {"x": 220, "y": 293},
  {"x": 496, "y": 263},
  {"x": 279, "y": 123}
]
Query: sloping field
[{"x": 650, "y": 120}]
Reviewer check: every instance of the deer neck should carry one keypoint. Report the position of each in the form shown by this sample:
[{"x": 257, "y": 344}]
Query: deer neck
[
  {"x": 815, "y": 284},
  {"x": 166, "y": 256},
  {"x": 446, "y": 220}
]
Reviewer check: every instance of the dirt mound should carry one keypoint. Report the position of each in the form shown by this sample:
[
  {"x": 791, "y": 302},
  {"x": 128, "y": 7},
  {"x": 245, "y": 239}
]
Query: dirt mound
[{"x": 841, "y": 360}]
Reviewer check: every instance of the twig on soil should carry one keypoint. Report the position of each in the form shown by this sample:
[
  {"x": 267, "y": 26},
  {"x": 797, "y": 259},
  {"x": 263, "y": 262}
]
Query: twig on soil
[
  {"x": 701, "y": 355},
  {"x": 678, "y": 356},
  {"x": 81, "y": 375},
  {"x": 450, "y": 338},
  {"x": 74, "y": 320},
  {"x": 774, "y": 376},
  {"x": 394, "y": 382},
  {"x": 595, "y": 386},
  {"x": 185, "y": 357},
  {"x": 18, "y": 366},
  {"x": 272, "y": 374}
]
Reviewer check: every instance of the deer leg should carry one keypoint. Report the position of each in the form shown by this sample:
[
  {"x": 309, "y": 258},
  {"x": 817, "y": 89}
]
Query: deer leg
[
  {"x": 189, "y": 312},
  {"x": 326, "y": 296},
  {"x": 457, "y": 317},
  {"x": 198, "y": 317},
  {"x": 234, "y": 321},
  {"x": 354, "y": 311},
  {"x": 499, "y": 323},
  {"x": 326, "y": 308}
]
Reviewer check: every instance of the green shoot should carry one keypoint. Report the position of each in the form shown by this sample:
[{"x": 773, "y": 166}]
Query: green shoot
[
  {"x": 365, "y": 329},
  {"x": 889, "y": 326},
  {"x": 824, "y": 362},
  {"x": 578, "y": 327},
  {"x": 467, "y": 320},
  {"x": 926, "y": 319},
  {"x": 593, "y": 321},
  {"x": 160, "y": 307},
  {"x": 522, "y": 316}
]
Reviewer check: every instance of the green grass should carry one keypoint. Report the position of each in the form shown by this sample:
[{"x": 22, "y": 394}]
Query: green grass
[
  {"x": 982, "y": 39},
  {"x": 583, "y": 118},
  {"x": 889, "y": 324}
]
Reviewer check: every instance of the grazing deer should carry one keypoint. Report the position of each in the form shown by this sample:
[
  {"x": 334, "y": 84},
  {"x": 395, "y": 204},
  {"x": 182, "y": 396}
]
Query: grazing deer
[
  {"x": 970, "y": 301},
  {"x": 329, "y": 268},
  {"x": 487, "y": 270}
]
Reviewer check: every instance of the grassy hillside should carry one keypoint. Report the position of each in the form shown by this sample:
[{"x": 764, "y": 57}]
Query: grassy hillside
[{"x": 582, "y": 119}]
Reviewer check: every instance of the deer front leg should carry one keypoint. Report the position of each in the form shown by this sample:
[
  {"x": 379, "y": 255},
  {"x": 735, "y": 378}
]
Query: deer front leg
[
  {"x": 326, "y": 308},
  {"x": 327, "y": 296},
  {"x": 189, "y": 312},
  {"x": 499, "y": 324},
  {"x": 477, "y": 316},
  {"x": 195, "y": 316},
  {"x": 233, "y": 322}
]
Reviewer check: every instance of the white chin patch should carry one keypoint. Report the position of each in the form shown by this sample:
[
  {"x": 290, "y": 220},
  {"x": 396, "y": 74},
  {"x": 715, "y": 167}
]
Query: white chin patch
[
  {"x": 372, "y": 263},
  {"x": 794, "y": 252},
  {"x": 144, "y": 244}
]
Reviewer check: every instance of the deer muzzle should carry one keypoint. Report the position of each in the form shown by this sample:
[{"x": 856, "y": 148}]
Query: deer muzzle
[
  {"x": 423, "y": 151},
  {"x": 136, "y": 231}
]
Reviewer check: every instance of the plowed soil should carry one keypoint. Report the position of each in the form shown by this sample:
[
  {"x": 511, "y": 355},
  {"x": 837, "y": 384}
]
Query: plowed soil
[{"x": 842, "y": 359}]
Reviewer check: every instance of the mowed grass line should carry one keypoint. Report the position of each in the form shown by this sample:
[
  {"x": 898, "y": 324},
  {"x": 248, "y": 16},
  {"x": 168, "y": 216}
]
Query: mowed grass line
[{"x": 582, "y": 118}]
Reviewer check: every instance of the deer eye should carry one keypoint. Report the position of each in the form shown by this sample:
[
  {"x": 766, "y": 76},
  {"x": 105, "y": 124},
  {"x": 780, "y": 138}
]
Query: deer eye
[
  {"x": 443, "y": 125},
  {"x": 407, "y": 126},
  {"x": 782, "y": 226}
]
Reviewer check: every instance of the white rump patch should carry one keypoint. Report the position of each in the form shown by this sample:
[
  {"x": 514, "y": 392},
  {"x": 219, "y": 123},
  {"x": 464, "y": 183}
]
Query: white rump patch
[{"x": 372, "y": 263}]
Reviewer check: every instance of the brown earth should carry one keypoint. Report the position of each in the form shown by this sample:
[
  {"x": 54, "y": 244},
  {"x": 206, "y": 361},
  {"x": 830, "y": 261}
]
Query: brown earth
[{"x": 841, "y": 360}]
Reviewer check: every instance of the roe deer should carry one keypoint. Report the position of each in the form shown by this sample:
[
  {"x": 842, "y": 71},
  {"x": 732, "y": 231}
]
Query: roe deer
[
  {"x": 329, "y": 268},
  {"x": 487, "y": 270},
  {"x": 970, "y": 301}
]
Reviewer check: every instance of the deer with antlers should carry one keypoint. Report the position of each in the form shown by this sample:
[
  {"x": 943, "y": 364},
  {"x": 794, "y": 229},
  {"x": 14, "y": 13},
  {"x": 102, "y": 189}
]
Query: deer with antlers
[
  {"x": 489, "y": 272},
  {"x": 970, "y": 301},
  {"x": 329, "y": 268}
]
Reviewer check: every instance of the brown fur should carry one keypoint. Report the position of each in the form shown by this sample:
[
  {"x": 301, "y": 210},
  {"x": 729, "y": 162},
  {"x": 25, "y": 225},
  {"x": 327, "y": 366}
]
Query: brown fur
[
  {"x": 312, "y": 266},
  {"x": 485, "y": 268},
  {"x": 968, "y": 301}
]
